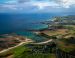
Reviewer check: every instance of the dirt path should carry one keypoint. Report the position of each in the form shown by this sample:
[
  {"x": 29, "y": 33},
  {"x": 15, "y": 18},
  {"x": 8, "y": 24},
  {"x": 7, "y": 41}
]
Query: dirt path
[
  {"x": 50, "y": 40},
  {"x": 6, "y": 50}
]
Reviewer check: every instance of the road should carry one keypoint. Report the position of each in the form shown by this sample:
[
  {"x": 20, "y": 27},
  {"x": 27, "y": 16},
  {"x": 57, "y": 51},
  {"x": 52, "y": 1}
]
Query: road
[
  {"x": 6, "y": 50},
  {"x": 50, "y": 40},
  {"x": 27, "y": 41}
]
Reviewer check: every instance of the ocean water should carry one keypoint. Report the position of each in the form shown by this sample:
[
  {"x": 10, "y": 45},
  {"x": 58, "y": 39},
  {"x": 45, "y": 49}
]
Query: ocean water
[
  {"x": 19, "y": 22},
  {"x": 33, "y": 36}
]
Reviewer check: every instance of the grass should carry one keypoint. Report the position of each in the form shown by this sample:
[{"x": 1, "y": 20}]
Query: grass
[
  {"x": 25, "y": 52},
  {"x": 36, "y": 56},
  {"x": 12, "y": 51},
  {"x": 56, "y": 32},
  {"x": 19, "y": 50},
  {"x": 47, "y": 36},
  {"x": 65, "y": 34},
  {"x": 66, "y": 46}
]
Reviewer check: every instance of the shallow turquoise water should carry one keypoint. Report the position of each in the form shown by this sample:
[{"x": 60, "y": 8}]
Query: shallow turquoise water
[{"x": 32, "y": 36}]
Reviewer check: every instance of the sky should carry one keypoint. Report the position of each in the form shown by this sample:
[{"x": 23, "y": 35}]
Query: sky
[{"x": 37, "y": 6}]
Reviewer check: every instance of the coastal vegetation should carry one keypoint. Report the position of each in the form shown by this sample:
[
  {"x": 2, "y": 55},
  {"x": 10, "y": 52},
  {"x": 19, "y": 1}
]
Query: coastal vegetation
[{"x": 62, "y": 34}]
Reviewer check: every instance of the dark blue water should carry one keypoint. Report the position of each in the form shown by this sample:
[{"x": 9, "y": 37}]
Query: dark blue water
[{"x": 19, "y": 22}]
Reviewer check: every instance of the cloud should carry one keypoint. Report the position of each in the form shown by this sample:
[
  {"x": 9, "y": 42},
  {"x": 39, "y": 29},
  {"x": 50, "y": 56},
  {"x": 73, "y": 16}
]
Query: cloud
[
  {"x": 44, "y": 4},
  {"x": 23, "y": 1},
  {"x": 36, "y": 5},
  {"x": 10, "y": 2},
  {"x": 66, "y": 3}
]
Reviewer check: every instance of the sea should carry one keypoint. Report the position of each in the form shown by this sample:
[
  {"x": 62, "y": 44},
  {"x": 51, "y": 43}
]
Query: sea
[{"x": 18, "y": 23}]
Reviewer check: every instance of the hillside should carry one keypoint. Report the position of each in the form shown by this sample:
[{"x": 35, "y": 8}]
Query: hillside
[{"x": 62, "y": 44}]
